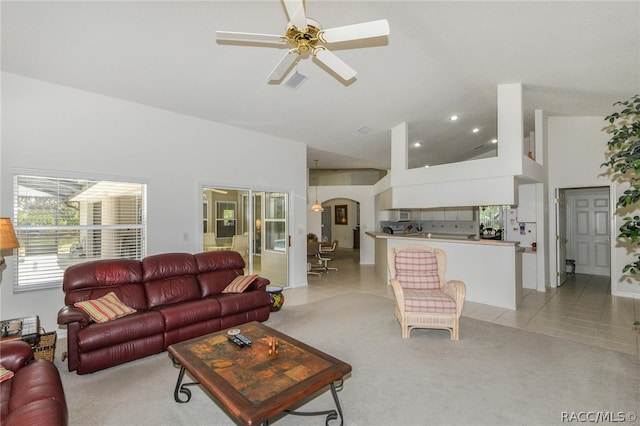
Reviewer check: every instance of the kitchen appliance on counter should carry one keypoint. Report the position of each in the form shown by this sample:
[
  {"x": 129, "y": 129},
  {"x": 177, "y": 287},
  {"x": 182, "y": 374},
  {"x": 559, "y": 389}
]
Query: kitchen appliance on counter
[{"x": 394, "y": 227}]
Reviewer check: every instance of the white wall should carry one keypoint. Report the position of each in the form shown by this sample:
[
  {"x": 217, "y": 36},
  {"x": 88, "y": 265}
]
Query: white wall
[
  {"x": 577, "y": 147},
  {"x": 464, "y": 183},
  {"x": 69, "y": 132}
]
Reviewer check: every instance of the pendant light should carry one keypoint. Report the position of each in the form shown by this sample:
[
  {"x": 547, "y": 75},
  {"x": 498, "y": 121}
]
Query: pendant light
[{"x": 316, "y": 207}]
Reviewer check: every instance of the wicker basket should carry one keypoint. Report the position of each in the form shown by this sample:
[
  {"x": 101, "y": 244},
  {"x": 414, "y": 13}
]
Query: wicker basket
[{"x": 46, "y": 348}]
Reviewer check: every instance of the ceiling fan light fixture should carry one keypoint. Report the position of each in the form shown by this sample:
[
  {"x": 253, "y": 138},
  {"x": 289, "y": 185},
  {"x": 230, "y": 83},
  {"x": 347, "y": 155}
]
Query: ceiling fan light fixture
[{"x": 307, "y": 37}]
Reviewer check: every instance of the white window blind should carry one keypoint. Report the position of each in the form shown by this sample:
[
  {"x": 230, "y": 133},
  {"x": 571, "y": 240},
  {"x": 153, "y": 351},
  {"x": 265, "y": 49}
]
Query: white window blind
[{"x": 60, "y": 222}]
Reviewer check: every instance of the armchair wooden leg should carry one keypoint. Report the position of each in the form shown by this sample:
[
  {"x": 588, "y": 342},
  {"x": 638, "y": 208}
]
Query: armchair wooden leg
[{"x": 455, "y": 331}]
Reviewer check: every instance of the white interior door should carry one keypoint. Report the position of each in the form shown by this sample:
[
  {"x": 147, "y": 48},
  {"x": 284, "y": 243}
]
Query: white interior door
[
  {"x": 589, "y": 230},
  {"x": 561, "y": 237}
]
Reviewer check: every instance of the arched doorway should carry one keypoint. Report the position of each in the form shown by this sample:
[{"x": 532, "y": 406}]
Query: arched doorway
[{"x": 341, "y": 222}]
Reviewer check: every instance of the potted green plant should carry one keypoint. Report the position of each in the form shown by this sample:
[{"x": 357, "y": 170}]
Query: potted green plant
[
  {"x": 312, "y": 237},
  {"x": 624, "y": 160}
]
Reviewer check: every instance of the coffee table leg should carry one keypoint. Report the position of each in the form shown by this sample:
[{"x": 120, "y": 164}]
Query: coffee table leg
[
  {"x": 331, "y": 414},
  {"x": 181, "y": 388}
]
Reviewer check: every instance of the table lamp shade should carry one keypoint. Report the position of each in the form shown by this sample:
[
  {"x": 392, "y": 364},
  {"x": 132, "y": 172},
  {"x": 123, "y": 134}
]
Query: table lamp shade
[{"x": 8, "y": 238}]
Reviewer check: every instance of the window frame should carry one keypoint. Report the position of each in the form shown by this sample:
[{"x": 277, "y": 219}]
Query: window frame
[
  {"x": 120, "y": 233},
  {"x": 223, "y": 222}
]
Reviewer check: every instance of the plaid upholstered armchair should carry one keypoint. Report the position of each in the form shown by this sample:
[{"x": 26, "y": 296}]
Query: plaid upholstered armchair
[{"x": 424, "y": 299}]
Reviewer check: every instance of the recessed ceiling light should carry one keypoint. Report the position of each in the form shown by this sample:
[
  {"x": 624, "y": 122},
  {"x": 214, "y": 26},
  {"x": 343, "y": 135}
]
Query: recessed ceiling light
[
  {"x": 475, "y": 130},
  {"x": 453, "y": 117},
  {"x": 426, "y": 166},
  {"x": 417, "y": 144},
  {"x": 364, "y": 130},
  {"x": 494, "y": 140}
]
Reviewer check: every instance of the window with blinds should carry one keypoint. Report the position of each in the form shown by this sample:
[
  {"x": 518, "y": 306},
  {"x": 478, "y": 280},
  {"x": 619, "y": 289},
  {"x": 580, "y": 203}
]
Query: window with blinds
[{"x": 60, "y": 222}]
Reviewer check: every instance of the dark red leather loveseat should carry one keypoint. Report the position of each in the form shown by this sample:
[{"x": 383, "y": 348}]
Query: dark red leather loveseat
[
  {"x": 34, "y": 395},
  {"x": 178, "y": 296}
]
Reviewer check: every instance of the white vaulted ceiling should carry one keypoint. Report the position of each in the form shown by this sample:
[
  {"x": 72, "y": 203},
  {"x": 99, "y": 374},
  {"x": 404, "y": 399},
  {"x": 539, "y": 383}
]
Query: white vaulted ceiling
[{"x": 441, "y": 58}]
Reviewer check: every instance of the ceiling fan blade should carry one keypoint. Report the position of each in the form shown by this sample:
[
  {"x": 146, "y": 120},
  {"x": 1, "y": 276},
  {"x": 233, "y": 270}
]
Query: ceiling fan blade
[
  {"x": 295, "y": 10},
  {"x": 283, "y": 66},
  {"x": 356, "y": 31},
  {"x": 249, "y": 37},
  {"x": 335, "y": 63}
]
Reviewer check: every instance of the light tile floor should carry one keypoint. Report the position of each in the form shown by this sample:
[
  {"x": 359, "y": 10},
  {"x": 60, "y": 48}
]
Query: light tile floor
[{"x": 581, "y": 310}]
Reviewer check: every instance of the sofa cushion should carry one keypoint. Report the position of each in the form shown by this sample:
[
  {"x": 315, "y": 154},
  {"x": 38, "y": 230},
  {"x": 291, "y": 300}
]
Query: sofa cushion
[
  {"x": 416, "y": 269},
  {"x": 217, "y": 269},
  {"x": 212, "y": 283},
  {"x": 219, "y": 260},
  {"x": 233, "y": 303},
  {"x": 35, "y": 390},
  {"x": 105, "y": 308},
  {"x": 240, "y": 283},
  {"x": 121, "y": 330},
  {"x": 119, "y": 353},
  {"x": 94, "y": 279},
  {"x": 41, "y": 412},
  {"x": 184, "y": 314},
  {"x": 426, "y": 301},
  {"x": 170, "y": 278}
]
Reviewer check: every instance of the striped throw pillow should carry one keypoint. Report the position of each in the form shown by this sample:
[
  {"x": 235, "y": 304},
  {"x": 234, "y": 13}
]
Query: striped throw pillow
[
  {"x": 5, "y": 374},
  {"x": 240, "y": 284},
  {"x": 106, "y": 308}
]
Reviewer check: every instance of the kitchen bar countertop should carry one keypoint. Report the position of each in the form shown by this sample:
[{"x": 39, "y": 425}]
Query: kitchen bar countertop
[
  {"x": 450, "y": 238},
  {"x": 490, "y": 269}
]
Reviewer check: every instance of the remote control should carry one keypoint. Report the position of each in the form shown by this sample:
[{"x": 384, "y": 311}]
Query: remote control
[
  {"x": 243, "y": 339},
  {"x": 237, "y": 341}
]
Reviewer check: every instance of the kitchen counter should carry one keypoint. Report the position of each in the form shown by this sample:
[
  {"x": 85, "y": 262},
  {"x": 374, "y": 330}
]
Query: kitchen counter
[
  {"x": 458, "y": 238},
  {"x": 491, "y": 269}
]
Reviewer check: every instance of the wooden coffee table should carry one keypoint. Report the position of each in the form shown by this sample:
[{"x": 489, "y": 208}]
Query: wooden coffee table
[{"x": 254, "y": 383}]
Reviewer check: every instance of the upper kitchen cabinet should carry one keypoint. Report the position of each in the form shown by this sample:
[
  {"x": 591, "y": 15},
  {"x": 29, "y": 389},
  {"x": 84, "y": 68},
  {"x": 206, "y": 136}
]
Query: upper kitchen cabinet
[
  {"x": 395, "y": 215},
  {"x": 432, "y": 214},
  {"x": 458, "y": 213},
  {"x": 448, "y": 213}
]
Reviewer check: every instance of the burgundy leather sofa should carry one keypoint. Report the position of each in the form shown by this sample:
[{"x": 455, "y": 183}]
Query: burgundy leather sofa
[
  {"x": 34, "y": 395},
  {"x": 178, "y": 296}
]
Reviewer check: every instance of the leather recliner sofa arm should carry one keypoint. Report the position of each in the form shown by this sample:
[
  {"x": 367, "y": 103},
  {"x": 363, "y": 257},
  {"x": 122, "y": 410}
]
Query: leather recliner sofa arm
[
  {"x": 15, "y": 354},
  {"x": 259, "y": 284},
  {"x": 68, "y": 314}
]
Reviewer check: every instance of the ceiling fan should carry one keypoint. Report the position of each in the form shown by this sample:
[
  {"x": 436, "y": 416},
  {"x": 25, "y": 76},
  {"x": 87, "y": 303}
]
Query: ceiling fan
[{"x": 306, "y": 35}]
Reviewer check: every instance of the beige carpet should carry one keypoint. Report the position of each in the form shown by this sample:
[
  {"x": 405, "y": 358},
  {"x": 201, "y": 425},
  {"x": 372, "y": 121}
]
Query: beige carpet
[{"x": 494, "y": 375}]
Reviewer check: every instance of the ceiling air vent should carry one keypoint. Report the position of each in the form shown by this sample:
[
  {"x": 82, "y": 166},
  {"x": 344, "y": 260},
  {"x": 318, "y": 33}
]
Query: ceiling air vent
[{"x": 296, "y": 80}]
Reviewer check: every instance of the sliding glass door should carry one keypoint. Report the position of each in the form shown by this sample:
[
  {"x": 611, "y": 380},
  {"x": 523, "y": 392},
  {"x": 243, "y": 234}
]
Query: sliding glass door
[
  {"x": 275, "y": 237},
  {"x": 254, "y": 223}
]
